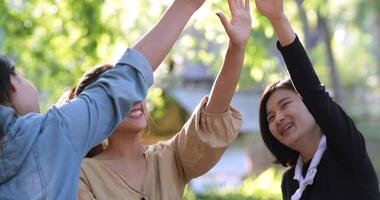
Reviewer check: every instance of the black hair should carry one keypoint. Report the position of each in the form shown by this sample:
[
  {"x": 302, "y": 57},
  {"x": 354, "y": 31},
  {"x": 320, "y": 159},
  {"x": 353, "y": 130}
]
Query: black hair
[
  {"x": 7, "y": 68},
  {"x": 283, "y": 154}
]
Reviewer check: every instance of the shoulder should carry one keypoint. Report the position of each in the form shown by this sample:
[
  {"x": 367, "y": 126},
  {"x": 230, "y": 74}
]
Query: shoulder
[
  {"x": 287, "y": 176},
  {"x": 286, "y": 183},
  {"x": 92, "y": 165},
  {"x": 161, "y": 149}
]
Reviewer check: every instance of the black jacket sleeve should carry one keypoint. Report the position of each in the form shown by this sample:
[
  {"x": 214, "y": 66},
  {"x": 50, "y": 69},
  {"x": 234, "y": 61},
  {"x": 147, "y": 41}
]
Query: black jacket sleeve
[{"x": 343, "y": 138}]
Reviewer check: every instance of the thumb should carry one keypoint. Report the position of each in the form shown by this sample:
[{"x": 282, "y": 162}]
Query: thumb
[{"x": 224, "y": 21}]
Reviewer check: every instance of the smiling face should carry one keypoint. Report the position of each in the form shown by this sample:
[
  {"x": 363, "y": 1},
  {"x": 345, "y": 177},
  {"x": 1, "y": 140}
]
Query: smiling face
[
  {"x": 289, "y": 121},
  {"x": 136, "y": 121}
]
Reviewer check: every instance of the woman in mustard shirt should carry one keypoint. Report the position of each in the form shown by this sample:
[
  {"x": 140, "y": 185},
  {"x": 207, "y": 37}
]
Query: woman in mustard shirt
[{"x": 127, "y": 169}]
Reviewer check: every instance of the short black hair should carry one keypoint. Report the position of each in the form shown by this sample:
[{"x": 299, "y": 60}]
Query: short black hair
[
  {"x": 283, "y": 154},
  {"x": 7, "y": 68}
]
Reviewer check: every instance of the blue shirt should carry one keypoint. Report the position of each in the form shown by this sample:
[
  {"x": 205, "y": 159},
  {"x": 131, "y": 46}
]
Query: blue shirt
[{"x": 40, "y": 154}]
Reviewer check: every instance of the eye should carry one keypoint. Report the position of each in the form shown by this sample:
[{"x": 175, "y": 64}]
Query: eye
[
  {"x": 270, "y": 118},
  {"x": 285, "y": 105}
]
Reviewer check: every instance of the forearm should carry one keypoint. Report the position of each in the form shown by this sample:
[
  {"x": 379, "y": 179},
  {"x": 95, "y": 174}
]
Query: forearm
[
  {"x": 159, "y": 40},
  {"x": 283, "y": 30},
  {"x": 226, "y": 81},
  {"x": 300, "y": 68}
]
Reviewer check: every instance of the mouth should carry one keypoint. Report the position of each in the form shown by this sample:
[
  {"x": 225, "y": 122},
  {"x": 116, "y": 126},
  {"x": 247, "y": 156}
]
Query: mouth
[
  {"x": 136, "y": 113},
  {"x": 285, "y": 129}
]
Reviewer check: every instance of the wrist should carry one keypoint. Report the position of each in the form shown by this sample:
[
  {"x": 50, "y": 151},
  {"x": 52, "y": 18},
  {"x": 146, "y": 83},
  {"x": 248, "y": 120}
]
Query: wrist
[
  {"x": 278, "y": 19},
  {"x": 237, "y": 47},
  {"x": 186, "y": 7}
]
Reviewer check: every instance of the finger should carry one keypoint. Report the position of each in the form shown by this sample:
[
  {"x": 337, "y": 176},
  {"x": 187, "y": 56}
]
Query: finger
[
  {"x": 257, "y": 2},
  {"x": 233, "y": 7},
  {"x": 248, "y": 6},
  {"x": 237, "y": 3},
  {"x": 240, "y": 3},
  {"x": 224, "y": 21}
]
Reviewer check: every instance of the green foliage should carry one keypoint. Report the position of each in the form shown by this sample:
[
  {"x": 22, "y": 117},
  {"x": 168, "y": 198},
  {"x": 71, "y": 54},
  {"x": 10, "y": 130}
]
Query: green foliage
[
  {"x": 54, "y": 42},
  {"x": 267, "y": 186}
]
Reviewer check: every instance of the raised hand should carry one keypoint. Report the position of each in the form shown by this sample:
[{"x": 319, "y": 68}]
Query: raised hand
[
  {"x": 272, "y": 9},
  {"x": 239, "y": 27},
  {"x": 156, "y": 44}
]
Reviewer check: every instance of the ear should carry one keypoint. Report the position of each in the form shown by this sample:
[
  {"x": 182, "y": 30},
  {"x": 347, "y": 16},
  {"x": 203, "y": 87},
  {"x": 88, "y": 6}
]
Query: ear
[{"x": 14, "y": 84}]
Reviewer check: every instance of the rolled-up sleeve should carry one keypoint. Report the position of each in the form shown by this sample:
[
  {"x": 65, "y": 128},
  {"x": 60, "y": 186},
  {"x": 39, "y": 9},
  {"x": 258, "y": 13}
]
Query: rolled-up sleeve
[{"x": 92, "y": 116}]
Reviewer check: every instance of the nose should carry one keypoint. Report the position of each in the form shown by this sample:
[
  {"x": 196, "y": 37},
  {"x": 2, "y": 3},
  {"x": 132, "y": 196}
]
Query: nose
[{"x": 280, "y": 117}]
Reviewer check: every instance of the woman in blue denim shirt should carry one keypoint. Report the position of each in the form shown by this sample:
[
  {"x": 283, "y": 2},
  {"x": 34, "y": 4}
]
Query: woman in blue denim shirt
[{"x": 40, "y": 154}]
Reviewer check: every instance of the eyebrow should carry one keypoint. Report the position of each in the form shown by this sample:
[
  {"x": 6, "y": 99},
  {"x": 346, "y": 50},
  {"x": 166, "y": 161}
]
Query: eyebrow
[{"x": 280, "y": 102}]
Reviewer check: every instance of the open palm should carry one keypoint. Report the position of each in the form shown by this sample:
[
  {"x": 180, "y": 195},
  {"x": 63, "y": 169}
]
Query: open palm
[
  {"x": 239, "y": 27},
  {"x": 272, "y": 9}
]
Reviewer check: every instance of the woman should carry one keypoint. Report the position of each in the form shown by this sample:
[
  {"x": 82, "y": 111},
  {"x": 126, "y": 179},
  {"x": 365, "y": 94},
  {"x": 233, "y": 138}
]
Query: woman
[
  {"x": 127, "y": 169},
  {"x": 40, "y": 154},
  {"x": 306, "y": 130}
]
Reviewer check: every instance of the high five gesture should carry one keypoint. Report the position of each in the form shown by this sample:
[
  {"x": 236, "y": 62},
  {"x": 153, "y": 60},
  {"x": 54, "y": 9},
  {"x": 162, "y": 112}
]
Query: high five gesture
[
  {"x": 239, "y": 27},
  {"x": 238, "y": 30},
  {"x": 274, "y": 11}
]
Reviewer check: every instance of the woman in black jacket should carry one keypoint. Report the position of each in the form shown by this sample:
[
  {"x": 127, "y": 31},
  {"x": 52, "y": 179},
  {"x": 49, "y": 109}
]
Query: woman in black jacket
[{"x": 307, "y": 131}]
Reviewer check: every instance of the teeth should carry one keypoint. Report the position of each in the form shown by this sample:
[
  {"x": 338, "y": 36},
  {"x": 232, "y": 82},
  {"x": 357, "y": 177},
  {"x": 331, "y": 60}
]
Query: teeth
[
  {"x": 286, "y": 128},
  {"x": 135, "y": 113}
]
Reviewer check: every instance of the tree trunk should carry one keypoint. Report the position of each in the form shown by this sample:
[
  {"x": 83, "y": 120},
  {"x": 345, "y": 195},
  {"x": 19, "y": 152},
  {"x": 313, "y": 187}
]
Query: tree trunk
[
  {"x": 334, "y": 78},
  {"x": 310, "y": 34}
]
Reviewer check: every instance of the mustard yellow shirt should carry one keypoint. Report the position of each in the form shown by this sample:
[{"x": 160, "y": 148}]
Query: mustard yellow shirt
[{"x": 170, "y": 164}]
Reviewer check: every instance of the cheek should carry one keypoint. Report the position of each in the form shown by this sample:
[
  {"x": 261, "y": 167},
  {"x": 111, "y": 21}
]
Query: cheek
[
  {"x": 272, "y": 129},
  {"x": 31, "y": 90},
  {"x": 35, "y": 93},
  {"x": 306, "y": 118},
  {"x": 146, "y": 111}
]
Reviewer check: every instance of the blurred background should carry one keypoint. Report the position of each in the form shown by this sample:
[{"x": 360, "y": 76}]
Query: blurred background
[{"x": 54, "y": 41}]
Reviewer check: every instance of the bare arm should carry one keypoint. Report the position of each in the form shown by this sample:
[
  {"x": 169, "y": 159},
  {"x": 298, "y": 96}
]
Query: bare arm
[
  {"x": 274, "y": 11},
  {"x": 156, "y": 44},
  {"x": 238, "y": 30}
]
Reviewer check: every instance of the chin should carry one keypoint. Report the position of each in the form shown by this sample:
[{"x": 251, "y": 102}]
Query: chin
[
  {"x": 136, "y": 128},
  {"x": 292, "y": 143}
]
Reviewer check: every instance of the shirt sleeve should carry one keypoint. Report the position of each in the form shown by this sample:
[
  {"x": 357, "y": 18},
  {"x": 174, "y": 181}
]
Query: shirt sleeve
[
  {"x": 343, "y": 138},
  {"x": 203, "y": 139},
  {"x": 284, "y": 185},
  {"x": 91, "y": 117}
]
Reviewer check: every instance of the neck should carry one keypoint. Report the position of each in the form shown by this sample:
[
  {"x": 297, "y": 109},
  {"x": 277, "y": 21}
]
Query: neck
[
  {"x": 124, "y": 145},
  {"x": 310, "y": 146}
]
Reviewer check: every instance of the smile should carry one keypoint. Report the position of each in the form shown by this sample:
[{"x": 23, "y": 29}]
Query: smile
[
  {"x": 285, "y": 128},
  {"x": 136, "y": 113}
]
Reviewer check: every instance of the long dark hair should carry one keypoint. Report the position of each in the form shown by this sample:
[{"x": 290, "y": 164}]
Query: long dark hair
[{"x": 283, "y": 154}]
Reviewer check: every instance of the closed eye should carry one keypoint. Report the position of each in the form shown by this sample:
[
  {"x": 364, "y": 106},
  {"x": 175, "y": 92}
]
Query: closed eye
[
  {"x": 285, "y": 104},
  {"x": 270, "y": 118}
]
